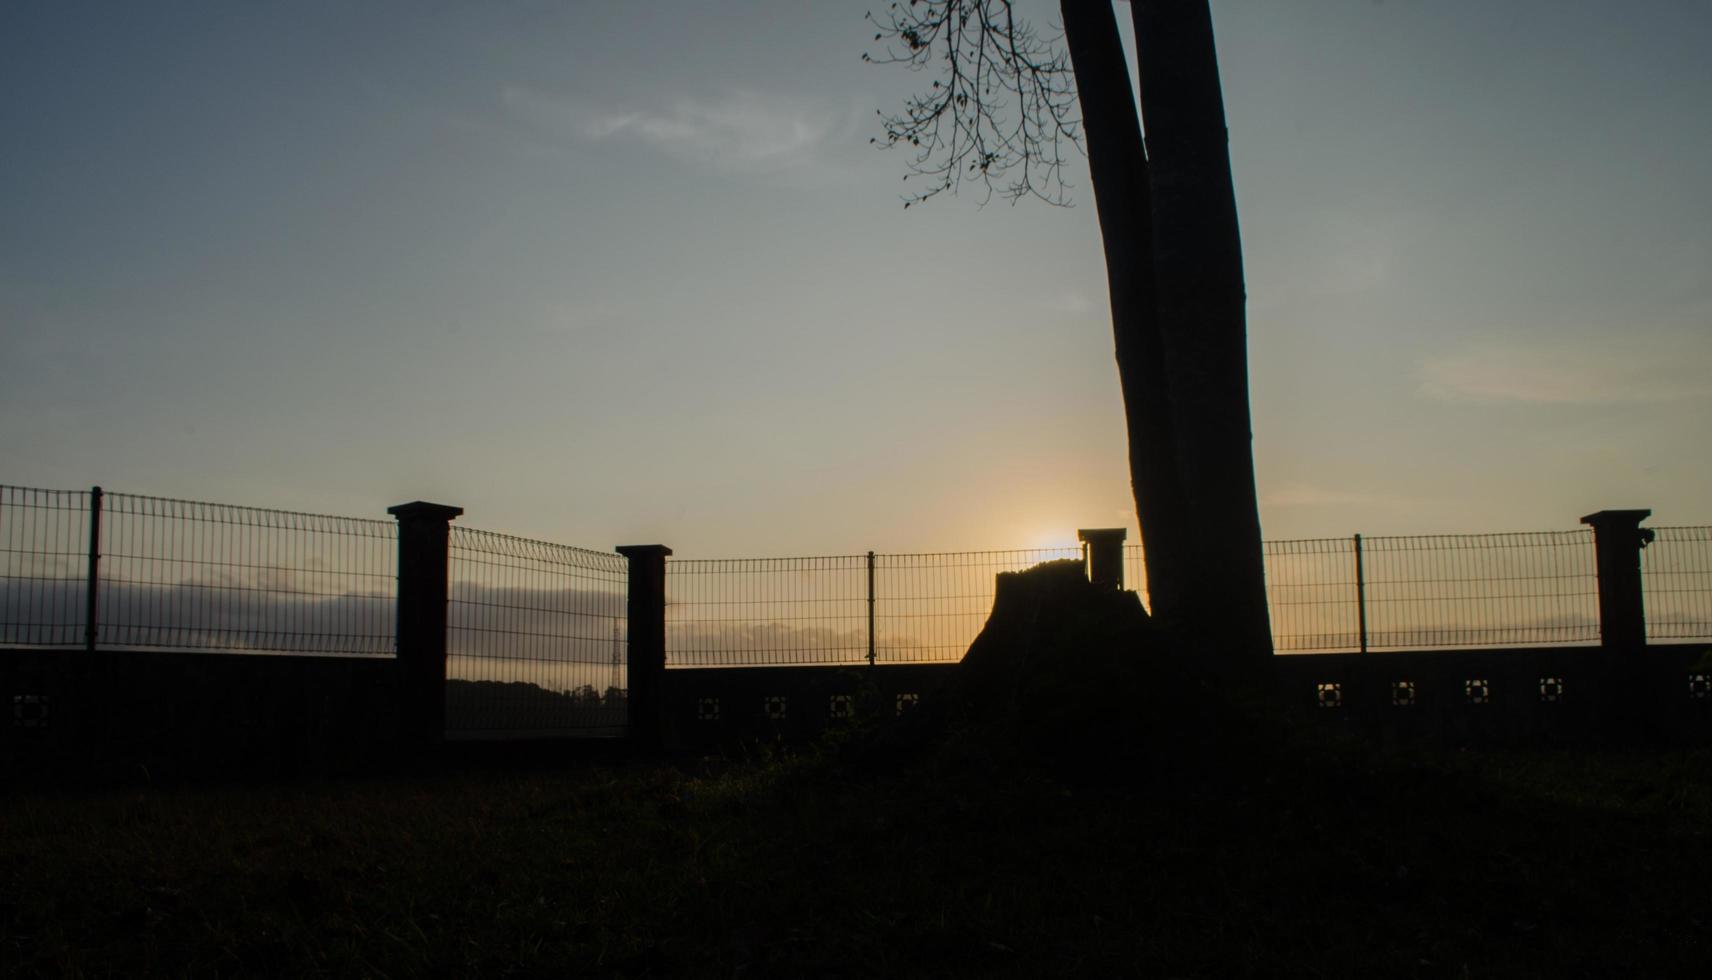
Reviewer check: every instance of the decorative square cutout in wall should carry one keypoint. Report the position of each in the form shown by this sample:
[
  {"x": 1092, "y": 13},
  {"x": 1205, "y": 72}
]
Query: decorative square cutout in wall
[
  {"x": 775, "y": 705},
  {"x": 1478, "y": 690},
  {"x": 840, "y": 706},
  {"x": 1700, "y": 687},
  {"x": 29, "y": 711},
  {"x": 1402, "y": 693},
  {"x": 907, "y": 701},
  {"x": 1330, "y": 694},
  {"x": 707, "y": 709},
  {"x": 1551, "y": 689}
]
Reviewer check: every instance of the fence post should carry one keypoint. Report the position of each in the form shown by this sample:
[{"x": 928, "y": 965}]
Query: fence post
[
  {"x": 1360, "y": 594},
  {"x": 870, "y": 609},
  {"x": 93, "y": 585},
  {"x": 1617, "y": 542},
  {"x": 424, "y": 531},
  {"x": 1105, "y": 556},
  {"x": 645, "y": 706}
]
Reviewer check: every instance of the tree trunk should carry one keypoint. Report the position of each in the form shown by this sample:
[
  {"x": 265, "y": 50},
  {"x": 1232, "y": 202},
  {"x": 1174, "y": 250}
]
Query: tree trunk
[
  {"x": 1118, "y": 169},
  {"x": 1197, "y": 265}
]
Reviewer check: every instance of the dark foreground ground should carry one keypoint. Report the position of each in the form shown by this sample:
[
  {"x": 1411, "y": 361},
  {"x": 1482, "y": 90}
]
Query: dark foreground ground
[{"x": 1324, "y": 858}]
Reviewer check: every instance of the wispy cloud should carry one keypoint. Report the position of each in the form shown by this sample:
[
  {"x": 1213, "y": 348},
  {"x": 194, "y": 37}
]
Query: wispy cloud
[
  {"x": 1572, "y": 373},
  {"x": 740, "y": 131}
]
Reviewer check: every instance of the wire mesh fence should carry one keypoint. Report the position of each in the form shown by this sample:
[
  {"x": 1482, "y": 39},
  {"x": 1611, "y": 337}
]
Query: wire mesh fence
[
  {"x": 536, "y": 628},
  {"x": 88, "y": 568},
  {"x": 535, "y": 636},
  {"x": 930, "y": 607},
  {"x": 1324, "y": 595},
  {"x": 1312, "y": 595},
  {"x": 1135, "y": 569},
  {"x": 748, "y": 611},
  {"x": 192, "y": 575},
  {"x": 838, "y": 609},
  {"x": 44, "y": 566},
  {"x": 1676, "y": 577},
  {"x": 1427, "y": 592},
  {"x": 1467, "y": 590}
]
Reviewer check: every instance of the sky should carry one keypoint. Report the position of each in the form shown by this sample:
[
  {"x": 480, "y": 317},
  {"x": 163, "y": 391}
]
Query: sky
[{"x": 606, "y": 273}]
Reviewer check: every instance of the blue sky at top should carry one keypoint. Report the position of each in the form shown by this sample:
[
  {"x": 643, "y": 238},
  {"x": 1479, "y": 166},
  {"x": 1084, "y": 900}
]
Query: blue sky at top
[{"x": 604, "y": 272}]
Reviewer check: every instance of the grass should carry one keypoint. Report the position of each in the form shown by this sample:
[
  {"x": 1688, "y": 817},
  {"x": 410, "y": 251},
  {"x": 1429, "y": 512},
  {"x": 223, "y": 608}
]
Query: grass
[{"x": 1313, "y": 857}]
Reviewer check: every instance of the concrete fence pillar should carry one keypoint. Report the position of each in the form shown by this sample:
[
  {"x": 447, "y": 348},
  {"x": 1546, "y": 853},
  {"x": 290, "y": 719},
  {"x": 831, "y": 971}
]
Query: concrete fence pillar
[
  {"x": 646, "y": 660},
  {"x": 1617, "y": 542},
  {"x": 1104, "y": 549},
  {"x": 424, "y": 531}
]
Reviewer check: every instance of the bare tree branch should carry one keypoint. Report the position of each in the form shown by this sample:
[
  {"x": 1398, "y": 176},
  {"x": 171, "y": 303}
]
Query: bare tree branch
[{"x": 1001, "y": 110}]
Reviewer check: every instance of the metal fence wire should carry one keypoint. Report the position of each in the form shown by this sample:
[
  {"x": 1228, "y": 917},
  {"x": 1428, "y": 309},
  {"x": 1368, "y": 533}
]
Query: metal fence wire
[
  {"x": 748, "y": 611},
  {"x": 1426, "y": 592},
  {"x": 1311, "y": 595},
  {"x": 192, "y": 575},
  {"x": 930, "y": 607},
  {"x": 44, "y": 576},
  {"x": 838, "y": 609},
  {"x": 1466, "y": 590},
  {"x": 1676, "y": 578},
  {"x": 537, "y": 632},
  {"x": 536, "y": 636}
]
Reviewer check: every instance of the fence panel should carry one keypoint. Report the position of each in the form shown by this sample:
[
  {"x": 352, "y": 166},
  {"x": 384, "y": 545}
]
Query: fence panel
[
  {"x": 754, "y": 611},
  {"x": 1135, "y": 572},
  {"x": 1311, "y": 595},
  {"x": 192, "y": 575},
  {"x": 1310, "y": 592},
  {"x": 536, "y": 626},
  {"x": 535, "y": 637},
  {"x": 44, "y": 562},
  {"x": 930, "y": 607},
  {"x": 1445, "y": 591},
  {"x": 1676, "y": 579}
]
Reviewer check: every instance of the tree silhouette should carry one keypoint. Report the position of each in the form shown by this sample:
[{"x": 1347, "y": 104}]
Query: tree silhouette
[{"x": 997, "y": 115}]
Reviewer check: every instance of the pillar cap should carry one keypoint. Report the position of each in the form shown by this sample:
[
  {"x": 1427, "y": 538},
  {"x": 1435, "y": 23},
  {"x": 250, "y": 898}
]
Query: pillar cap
[
  {"x": 1101, "y": 534},
  {"x": 642, "y": 550},
  {"x": 423, "y": 510},
  {"x": 1599, "y": 517}
]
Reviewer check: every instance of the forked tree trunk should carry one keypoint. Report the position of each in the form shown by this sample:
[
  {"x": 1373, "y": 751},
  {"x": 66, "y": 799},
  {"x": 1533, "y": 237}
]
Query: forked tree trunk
[
  {"x": 1200, "y": 299},
  {"x": 1118, "y": 168}
]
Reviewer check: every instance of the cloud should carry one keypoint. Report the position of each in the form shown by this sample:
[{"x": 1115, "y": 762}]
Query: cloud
[
  {"x": 739, "y": 132},
  {"x": 1569, "y": 374},
  {"x": 281, "y": 610}
]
